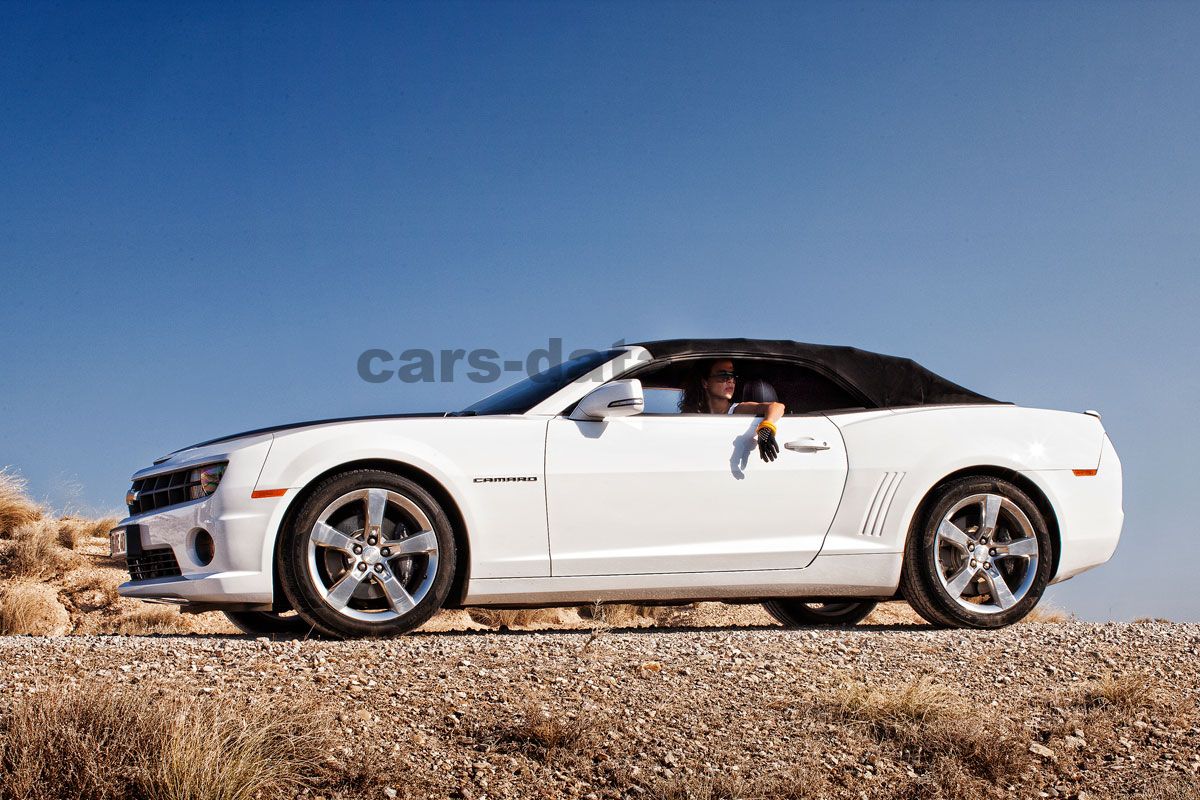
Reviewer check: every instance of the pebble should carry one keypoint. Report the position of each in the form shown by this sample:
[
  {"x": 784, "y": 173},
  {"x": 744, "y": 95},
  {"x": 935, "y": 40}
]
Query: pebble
[{"x": 665, "y": 707}]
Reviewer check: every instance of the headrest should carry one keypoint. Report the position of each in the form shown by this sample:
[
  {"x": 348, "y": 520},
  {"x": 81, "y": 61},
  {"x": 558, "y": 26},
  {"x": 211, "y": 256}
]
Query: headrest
[{"x": 758, "y": 391}]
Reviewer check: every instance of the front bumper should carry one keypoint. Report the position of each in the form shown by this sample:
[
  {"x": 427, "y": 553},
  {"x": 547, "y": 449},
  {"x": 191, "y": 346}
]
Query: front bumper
[
  {"x": 214, "y": 584},
  {"x": 242, "y": 528}
]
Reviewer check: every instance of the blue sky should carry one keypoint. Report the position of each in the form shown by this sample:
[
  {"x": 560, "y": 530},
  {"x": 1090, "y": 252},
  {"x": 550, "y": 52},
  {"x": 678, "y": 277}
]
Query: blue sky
[{"x": 208, "y": 211}]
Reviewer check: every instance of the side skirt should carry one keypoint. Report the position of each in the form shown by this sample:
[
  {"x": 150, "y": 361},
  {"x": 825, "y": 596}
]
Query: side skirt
[{"x": 862, "y": 575}]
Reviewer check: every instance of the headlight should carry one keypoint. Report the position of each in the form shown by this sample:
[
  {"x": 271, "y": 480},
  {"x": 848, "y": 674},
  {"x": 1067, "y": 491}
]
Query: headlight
[{"x": 203, "y": 481}]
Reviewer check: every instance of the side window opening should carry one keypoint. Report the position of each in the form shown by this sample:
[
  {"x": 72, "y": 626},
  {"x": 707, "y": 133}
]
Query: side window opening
[
  {"x": 802, "y": 389},
  {"x": 661, "y": 400}
]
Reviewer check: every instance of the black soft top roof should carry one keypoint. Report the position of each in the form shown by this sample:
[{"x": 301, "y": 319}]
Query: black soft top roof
[{"x": 886, "y": 381}]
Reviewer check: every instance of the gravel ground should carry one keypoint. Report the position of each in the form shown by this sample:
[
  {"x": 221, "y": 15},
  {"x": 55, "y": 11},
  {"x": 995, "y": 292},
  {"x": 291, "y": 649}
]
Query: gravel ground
[{"x": 681, "y": 713}]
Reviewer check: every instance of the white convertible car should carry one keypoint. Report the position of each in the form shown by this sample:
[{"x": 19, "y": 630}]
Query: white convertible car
[{"x": 587, "y": 483}]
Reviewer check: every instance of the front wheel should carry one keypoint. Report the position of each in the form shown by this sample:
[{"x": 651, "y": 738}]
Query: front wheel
[
  {"x": 797, "y": 613},
  {"x": 369, "y": 554},
  {"x": 980, "y": 558}
]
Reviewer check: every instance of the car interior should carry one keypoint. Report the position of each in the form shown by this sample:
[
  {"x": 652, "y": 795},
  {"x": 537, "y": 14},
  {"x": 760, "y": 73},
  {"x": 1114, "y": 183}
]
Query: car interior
[{"x": 802, "y": 389}]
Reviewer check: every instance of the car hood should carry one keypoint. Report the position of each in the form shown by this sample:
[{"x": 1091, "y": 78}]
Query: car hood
[{"x": 295, "y": 425}]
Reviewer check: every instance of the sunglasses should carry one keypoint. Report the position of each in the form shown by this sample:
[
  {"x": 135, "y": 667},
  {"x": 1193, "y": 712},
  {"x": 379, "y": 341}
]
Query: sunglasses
[{"x": 722, "y": 376}]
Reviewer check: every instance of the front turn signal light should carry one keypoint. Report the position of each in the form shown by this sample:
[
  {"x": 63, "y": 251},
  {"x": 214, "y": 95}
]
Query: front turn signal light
[{"x": 1084, "y": 473}]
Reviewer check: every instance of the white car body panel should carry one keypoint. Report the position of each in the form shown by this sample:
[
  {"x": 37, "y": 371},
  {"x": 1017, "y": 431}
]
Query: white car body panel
[
  {"x": 1088, "y": 511},
  {"x": 507, "y": 520},
  {"x": 647, "y": 507},
  {"x": 896, "y": 459},
  {"x": 687, "y": 493}
]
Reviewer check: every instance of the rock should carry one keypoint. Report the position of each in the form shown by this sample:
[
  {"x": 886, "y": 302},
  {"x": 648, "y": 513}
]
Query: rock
[{"x": 1042, "y": 750}]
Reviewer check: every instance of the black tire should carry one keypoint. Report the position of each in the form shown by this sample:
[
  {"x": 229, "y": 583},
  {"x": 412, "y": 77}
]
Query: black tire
[
  {"x": 311, "y": 569},
  {"x": 930, "y": 577},
  {"x": 268, "y": 623},
  {"x": 797, "y": 613}
]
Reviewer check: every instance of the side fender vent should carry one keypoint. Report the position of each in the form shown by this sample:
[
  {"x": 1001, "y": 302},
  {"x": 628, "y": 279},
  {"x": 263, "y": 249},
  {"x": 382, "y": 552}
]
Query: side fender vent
[{"x": 881, "y": 501}]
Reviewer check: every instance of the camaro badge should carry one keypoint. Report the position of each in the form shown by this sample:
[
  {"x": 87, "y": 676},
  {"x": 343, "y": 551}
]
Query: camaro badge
[{"x": 504, "y": 480}]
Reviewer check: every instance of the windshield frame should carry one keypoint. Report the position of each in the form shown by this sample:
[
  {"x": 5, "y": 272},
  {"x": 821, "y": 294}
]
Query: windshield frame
[{"x": 525, "y": 395}]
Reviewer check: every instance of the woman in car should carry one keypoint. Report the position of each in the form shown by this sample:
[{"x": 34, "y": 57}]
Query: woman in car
[{"x": 711, "y": 392}]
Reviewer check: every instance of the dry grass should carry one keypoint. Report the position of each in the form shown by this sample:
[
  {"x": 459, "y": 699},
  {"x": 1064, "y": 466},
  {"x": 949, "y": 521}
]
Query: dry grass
[
  {"x": 621, "y": 615},
  {"x": 890, "y": 712},
  {"x": 220, "y": 754},
  {"x": 33, "y": 609},
  {"x": 93, "y": 591},
  {"x": 55, "y": 744},
  {"x": 625, "y": 615},
  {"x": 502, "y": 618},
  {"x": 807, "y": 782},
  {"x": 928, "y": 722},
  {"x": 107, "y": 746},
  {"x": 16, "y": 509},
  {"x": 600, "y": 617},
  {"x": 1126, "y": 695},
  {"x": 56, "y": 578},
  {"x": 708, "y": 787},
  {"x": 543, "y": 732},
  {"x": 72, "y": 530},
  {"x": 1049, "y": 615},
  {"x": 34, "y": 552},
  {"x": 149, "y": 620},
  {"x": 944, "y": 779},
  {"x": 610, "y": 616},
  {"x": 1169, "y": 787},
  {"x": 615, "y": 615}
]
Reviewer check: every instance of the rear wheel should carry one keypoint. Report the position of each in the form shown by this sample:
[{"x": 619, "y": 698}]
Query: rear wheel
[
  {"x": 797, "y": 613},
  {"x": 267, "y": 623},
  {"x": 981, "y": 557},
  {"x": 369, "y": 554}
]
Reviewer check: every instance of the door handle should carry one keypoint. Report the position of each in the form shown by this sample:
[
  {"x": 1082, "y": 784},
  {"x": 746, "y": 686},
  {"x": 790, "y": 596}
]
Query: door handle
[{"x": 807, "y": 444}]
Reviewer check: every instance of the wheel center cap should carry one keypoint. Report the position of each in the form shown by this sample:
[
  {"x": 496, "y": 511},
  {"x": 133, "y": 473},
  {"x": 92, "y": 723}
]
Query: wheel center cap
[{"x": 370, "y": 555}]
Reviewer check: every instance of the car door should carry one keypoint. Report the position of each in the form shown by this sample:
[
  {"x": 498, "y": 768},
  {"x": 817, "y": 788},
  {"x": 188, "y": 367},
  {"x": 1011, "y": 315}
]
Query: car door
[{"x": 688, "y": 493}]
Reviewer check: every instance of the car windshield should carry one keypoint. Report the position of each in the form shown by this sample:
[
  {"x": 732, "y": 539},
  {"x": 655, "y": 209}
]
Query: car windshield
[{"x": 520, "y": 397}]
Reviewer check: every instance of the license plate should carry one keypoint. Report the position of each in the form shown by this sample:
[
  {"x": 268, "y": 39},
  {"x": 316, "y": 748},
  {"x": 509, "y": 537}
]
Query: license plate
[{"x": 116, "y": 542}]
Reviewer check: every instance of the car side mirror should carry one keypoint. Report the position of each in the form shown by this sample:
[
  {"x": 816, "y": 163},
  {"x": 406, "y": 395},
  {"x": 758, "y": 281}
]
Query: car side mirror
[{"x": 613, "y": 399}]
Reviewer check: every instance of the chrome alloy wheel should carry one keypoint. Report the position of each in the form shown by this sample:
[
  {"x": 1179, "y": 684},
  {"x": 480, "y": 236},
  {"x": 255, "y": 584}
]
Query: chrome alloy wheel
[
  {"x": 372, "y": 555},
  {"x": 986, "y": 552}
]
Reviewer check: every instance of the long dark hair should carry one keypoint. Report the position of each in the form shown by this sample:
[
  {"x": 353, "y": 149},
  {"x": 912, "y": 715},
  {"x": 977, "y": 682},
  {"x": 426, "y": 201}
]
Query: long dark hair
[{"x": 695, "y": 398}]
